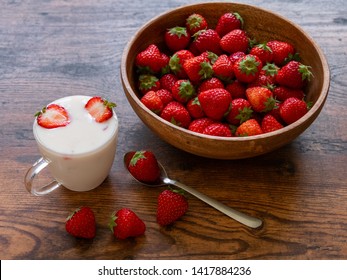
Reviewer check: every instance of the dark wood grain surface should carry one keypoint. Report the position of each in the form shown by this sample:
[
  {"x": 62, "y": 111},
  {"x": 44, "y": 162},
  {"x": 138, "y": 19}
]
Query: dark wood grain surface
[{"x": 51, "y": 49}]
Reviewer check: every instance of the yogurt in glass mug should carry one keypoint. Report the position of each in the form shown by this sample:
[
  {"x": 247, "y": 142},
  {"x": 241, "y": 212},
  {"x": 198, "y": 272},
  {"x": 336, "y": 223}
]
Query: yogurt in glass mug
[{"x": 79, "y": 155}]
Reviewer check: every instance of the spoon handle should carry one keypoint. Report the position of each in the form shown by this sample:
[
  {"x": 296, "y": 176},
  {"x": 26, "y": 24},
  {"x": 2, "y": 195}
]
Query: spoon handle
[{"x": 232, "y": 213}]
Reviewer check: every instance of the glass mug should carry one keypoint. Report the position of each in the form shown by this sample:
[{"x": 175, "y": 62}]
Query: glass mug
[{"x": 79, "y": 155}]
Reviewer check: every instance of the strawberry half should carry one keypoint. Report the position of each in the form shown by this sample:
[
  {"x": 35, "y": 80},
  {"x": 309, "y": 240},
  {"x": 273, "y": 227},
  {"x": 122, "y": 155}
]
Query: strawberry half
[
  {"x": 81, "y": 223},
  {"x": 52, "y": 116},
  {"x": 100, "y": 109}
]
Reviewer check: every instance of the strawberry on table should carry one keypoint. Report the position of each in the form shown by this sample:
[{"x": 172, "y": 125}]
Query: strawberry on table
[
  {"x": 143, "y": 165},
  {"x": 293, "y": 109},
  {"x": 172, "y": 205},
  {"x": 81, "y": 223},
  {"x": 177, "y": 114},
  {"x": 235, "y": 41},
  {"x": 100, "y": 109},
  {"x": 177, "y": 38},
  {"x": 228, "y": 22},
  {"x": 250, "y": 127},
  {"x": 215, "y": 103},
  {"x": 260, "y": 98},
  {"x": 247, "y": 68},
  {"x": 294, "y": 75},
  {"x": 125, "y": 223},
  {"x": 153, "y": 102},
  {"x": 52, "y": 116},
  {"x": 195, "y": 22}
]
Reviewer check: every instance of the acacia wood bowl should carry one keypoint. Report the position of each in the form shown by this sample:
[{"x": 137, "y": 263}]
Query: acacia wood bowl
[{"x": 258, "y": 23}]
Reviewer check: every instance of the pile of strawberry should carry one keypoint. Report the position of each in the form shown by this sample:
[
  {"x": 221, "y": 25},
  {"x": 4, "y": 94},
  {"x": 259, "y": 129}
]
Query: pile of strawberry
[{"x": 218, "y": 81}]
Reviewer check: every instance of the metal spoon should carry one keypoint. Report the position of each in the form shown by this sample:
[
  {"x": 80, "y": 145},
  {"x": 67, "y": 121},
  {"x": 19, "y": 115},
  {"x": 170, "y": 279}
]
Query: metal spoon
[{"x": 232, "y": 213}]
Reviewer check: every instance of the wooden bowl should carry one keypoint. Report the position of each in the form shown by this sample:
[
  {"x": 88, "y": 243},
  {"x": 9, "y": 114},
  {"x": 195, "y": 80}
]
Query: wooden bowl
[{"x": 259, "y": 23}]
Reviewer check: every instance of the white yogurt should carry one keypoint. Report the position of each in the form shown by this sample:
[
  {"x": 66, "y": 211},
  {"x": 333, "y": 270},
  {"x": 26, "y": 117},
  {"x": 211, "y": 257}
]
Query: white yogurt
[{"x": 81, "y": 154}]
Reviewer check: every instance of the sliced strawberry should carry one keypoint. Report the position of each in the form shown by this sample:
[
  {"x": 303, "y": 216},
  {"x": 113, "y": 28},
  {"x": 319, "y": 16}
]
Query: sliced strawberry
[
  {"x": 53, "y": 116},
  {"x": 100, "y": 109}
]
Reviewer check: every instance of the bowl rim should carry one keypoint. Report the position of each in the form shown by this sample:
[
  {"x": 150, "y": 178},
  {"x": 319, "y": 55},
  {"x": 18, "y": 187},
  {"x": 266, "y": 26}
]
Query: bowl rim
[{"x": 315, "y": 109}]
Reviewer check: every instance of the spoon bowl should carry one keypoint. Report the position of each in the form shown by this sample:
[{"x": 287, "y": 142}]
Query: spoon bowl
[{"x": 165, "y": 180}]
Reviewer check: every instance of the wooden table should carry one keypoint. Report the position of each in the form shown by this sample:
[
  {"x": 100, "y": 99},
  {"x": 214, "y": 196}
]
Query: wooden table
[{"x": 51, "y": 49}]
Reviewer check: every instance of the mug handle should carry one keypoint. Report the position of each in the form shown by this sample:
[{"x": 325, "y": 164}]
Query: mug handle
[{"x": 34, "y": 170}]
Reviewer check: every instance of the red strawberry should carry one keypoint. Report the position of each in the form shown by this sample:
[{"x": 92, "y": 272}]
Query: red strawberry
[
  {"x": 52, "y": 116},
  {"x": 223, "y": 68},
  {"x": 218, "y": 129},
  {"x": 215, "y": 102},
  {"x": 275, "y": 112},
  {"x": 194, "y": 108},
  {"x": 153, "y": 102},
  {"x": 172, "y": 205},
  {"x": 263, "y": 80},
  {"x": 263, "y": 51},
  {"x": 247, "y": 68},
  {"x": 167, "y": 81},
  {"x": 293, "y": 109},
  {"x": 148, "y": 82},
  {"x": 177, "y": 38},
  {"x": 151, "y": 59},
  {"x": 207, "y": 40},
  {"x": 210, "y": 84},
  {"x": 282, "y": 93},
  {"x": 236, "y": 89},
  {"x": 282, "y": 51},
  {"x": 293, "y": 75},
  {"x": 249, "y": 128},
  {"x": 270, "y": 123},
  {"x": 195, "y": 22},
  {"x": 81, "y": 223},
  {"x": 199, "y": 125},
  {"x": 198, "y": 68},
  {"x": 261, "y": 99},
  {"x": 182, "y": 91},
  {"x": 143, "y": 165},
  {"x": 165, "y": 96},
  {"x": 240, "y": 111},
  {"x": 235, "y": 41},
  {"x": 176, "y": 62},
  {"x": 177, "y": 114},
  {"x": 100, "y": 109},
  {"x": 228, "y": 22},
  {"x": 236, "y": 56},
  {"x": 125, "y": 223}
]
